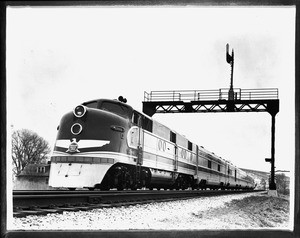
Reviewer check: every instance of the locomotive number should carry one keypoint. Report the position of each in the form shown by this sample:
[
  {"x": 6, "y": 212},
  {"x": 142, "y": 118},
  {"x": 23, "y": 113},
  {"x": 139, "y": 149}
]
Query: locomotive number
[
  {"x": 162, "y": 145},
  {"x": 183, "y": 153}
]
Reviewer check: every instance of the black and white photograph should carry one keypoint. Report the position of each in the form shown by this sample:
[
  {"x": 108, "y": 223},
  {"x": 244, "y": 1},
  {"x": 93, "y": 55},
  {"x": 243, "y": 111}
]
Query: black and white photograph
[{"x": 150, "y": 118}]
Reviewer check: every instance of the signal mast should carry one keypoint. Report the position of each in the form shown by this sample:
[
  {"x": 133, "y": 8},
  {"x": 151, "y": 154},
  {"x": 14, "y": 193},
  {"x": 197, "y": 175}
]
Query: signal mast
[{"x": 230, "y": 60}]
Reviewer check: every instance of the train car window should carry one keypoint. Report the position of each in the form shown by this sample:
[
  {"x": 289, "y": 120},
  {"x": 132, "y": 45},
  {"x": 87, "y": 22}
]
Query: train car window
[
  {"x": 190, "y": 145},
  {"x": 147, "y": 124},
  {"x": 173, "y": 137},
  {"x": 115, "y": 108},
  {"x": 209, "y": 164},
  {"x": 235, "y": 175},
  {"x": 93, "y": 104}
]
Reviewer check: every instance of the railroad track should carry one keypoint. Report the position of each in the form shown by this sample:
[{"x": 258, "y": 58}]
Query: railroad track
[{"x": 43, "y": 202}]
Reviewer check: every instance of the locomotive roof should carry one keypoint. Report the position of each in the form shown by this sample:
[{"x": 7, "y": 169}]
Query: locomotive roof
[
  {"x": 214, "y": 156},
  {"x": 118, "y": 102},
  {"x": 107, "y": 100}
]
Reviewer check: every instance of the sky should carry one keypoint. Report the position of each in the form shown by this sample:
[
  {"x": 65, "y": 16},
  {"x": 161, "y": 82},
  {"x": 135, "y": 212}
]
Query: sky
[{"x": 59, "y": 57}]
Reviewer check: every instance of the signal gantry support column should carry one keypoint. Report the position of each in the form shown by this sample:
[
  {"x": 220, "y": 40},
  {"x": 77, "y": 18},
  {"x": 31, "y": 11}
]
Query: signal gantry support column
[{"x": 273, "y": 109}]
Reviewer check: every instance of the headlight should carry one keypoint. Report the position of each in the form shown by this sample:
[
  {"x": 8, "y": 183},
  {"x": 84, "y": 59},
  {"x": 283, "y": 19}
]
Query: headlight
[
  {"x": 76, "y": 128},
  {"x": 79, "y": 111}
]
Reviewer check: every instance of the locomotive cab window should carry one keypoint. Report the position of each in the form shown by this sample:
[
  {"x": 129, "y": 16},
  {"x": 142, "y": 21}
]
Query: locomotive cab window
[{"x": 135, "y": 118}]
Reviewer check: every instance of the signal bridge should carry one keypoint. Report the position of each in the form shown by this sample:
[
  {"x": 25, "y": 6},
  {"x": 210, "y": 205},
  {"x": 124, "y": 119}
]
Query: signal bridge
[{"x": 222, "y": 100}]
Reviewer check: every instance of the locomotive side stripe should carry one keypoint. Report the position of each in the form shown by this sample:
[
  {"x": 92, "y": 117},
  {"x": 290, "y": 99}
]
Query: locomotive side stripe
[
  {"x": 82, "y": 143},
  {"x": 181, "y": 164},
  {"x": 94, "y": 154},
  {"x": 186, "y": 166},
  {"x": 208, "y": 171},
  {"x": 170, "y": 163},
  {"x": 151, "y": 161}
]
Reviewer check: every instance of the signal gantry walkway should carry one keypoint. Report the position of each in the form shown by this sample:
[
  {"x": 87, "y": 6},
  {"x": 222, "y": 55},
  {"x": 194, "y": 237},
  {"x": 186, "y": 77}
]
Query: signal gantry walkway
[{"x": 244, "y": 100}]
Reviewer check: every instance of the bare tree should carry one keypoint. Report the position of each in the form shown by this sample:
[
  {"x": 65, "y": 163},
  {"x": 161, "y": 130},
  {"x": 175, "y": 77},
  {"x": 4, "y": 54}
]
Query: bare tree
[
  {"x": 281, "y": 183},
  {"x": 28, "y": 148}
]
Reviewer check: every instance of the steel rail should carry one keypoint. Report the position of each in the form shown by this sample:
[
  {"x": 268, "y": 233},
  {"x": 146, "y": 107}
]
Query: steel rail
[{"x": 43, "y": 202}]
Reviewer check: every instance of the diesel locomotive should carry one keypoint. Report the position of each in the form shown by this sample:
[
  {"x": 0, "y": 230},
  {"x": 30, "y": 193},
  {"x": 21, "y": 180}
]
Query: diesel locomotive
[{"x": 106, "y": 144}]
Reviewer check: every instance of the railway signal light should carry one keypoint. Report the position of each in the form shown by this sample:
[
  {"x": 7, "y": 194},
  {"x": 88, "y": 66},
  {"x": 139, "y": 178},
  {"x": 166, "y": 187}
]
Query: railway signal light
[
  {"x": 268, "y": 160},
  {"x": 229, "y": 58}
]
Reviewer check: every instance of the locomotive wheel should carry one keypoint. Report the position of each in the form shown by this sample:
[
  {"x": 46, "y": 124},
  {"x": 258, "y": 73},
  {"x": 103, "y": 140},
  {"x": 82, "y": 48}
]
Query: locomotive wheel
[
  {"x": 143, "y": 182},
  {"x": 145, "y": 178},
  {"x": 120, "y": 183},
  {"x": 133, "y": 187},
  {"x": 182, "y": 182},
  {"x": 104, "y": 188},
  {"x": 122, "y": 178},
  {"x": 120, "y": 187}
]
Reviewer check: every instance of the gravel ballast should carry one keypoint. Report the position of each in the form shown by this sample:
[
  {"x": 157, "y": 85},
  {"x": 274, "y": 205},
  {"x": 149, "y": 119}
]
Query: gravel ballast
[{"x": 240, "y": 211}]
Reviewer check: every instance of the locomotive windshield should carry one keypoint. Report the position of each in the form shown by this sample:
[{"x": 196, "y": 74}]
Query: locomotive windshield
[
  {"x": 117, "y": 108},
  {"x": 110, "y": 106},
  {"x": 91, "y": 104}
]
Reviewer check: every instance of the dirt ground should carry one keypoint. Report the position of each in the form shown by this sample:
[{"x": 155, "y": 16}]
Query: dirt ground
[{"x": 250, "y": 212}]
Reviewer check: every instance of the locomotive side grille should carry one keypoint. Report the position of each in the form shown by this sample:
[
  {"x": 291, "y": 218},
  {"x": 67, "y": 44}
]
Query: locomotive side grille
[{"x": 81, "y": 159}]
